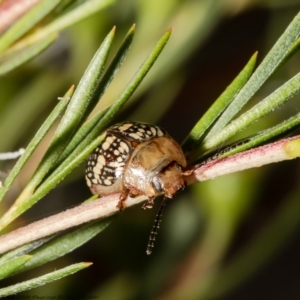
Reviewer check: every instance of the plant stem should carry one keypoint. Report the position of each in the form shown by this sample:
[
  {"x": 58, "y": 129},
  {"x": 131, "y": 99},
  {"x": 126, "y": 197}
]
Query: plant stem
[{"x": 105, "y": 206}]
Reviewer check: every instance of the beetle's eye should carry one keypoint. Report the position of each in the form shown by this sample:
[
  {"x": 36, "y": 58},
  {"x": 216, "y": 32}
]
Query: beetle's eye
[
  {"x": 179, "y": 167},
  {"x": 157, "y": 184}
]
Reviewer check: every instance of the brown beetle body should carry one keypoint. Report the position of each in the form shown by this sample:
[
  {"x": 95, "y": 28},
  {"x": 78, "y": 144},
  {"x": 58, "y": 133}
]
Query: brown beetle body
[{"x": 136, "y": 159}]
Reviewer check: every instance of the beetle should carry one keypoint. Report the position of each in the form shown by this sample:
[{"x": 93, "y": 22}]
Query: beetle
[{"x": 137, "y": 159}]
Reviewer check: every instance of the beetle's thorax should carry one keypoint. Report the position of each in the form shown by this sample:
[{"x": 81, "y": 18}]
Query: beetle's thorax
[{"x": 143, "y": 171}]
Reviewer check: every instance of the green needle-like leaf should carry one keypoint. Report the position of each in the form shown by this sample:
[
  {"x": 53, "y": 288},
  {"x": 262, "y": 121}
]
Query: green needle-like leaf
[
  {"x": 73, "y": 161},
  {"x": 26, "y": 22},
  {"x": 25, "y": 55},
  {"x": 64, "y": 245},
  {"x": 24, "y": 249},
  {"x": 104, "y": 83},
  {"x": 78, "y": 13},
  {"x": 73, "y": 116},
  {"x": 281, "y": 95},
  {"x": 41, "y": 280},
  {"x": 84, "y": 130},
  {"x": 263, "y": 136},
  {"x": 112, "y": 69},
  {"x": 35, "y": 142},
  {"x": 135, "y": 81},
  {"x": 273, "y": 59},
  {"x": 8, "y": 267},
  {"x": 218, "y": 107}
]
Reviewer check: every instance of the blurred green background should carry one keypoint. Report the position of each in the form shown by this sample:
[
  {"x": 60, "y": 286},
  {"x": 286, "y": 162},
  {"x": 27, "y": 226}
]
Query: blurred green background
[{"x": 236, "y": 237}]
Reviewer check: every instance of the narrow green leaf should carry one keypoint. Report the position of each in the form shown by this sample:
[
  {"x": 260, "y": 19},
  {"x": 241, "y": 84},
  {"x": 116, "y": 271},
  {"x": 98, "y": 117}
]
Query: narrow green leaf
[
  {"x": 24, "y": 249},
  {"x": 30, "y": 101},
  {"x": 78, "y": 13},
  {"x": 8, "y": 267},
  {"x": 73, "y": 116},
  {"x": 295, "y": 47},
  {"x": 35, "y": 141},
  {"x": 134, "y": 82},
  {"x": 80, "y": 135},
  {"x": 41, "y": 280},
  {"x": 25, "y": 55},
  {"x": 85, "y": 90},
  {"x": 26, "y": 22},
  {"x": 218, "y": 106},
  {"x": 281, "y": 95},
  {"x": 263, "y": 136},
  {"x": 104, "y": 83},
  {"x": 64, "y": 245},
  {"x": 270, "y": 63},
  {"x": 112, "y": 69},
  {"x": 64, "y": 169}
]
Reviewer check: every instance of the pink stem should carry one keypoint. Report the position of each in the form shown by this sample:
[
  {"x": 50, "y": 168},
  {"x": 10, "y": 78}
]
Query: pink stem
[{"x": 105, "y": 206}]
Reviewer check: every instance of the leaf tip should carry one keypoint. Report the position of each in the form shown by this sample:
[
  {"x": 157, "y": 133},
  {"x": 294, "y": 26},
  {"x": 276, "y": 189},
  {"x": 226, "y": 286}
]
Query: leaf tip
[
  {"x": 170, "y": 30},
  {"x": 71, "y": 90},
  {"x": 131, "y": 30},
  {"x": 87, "y": 264},
  {"x": 68, "y": 94}
]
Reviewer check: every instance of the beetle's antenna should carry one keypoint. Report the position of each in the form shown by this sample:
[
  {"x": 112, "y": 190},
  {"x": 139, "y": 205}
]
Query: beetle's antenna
[{"x": 155, "y": 227}]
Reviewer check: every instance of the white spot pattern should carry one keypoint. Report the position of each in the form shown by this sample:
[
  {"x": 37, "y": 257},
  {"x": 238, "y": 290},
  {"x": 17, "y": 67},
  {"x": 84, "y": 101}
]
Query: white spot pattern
[{"x": 106, "y": 164}]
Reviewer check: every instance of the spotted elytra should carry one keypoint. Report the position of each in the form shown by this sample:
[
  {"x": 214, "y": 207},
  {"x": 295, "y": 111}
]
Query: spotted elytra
[{"x": 137, "y": 159}]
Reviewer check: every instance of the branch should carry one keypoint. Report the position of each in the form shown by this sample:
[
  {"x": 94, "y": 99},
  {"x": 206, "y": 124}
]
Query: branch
[
  {"x": 278, "y": 151},
  {"x": 285, "y": 149}
]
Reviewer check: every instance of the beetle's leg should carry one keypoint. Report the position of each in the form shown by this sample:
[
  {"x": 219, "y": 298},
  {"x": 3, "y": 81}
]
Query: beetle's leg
[
  {"x": 121, "y": 204},
  {"x": 149, "y": 204},
  {"x": 188, "y": 172}
]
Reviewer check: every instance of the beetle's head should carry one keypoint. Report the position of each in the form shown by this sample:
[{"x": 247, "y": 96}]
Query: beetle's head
[{"x": 169, "y": 180}]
